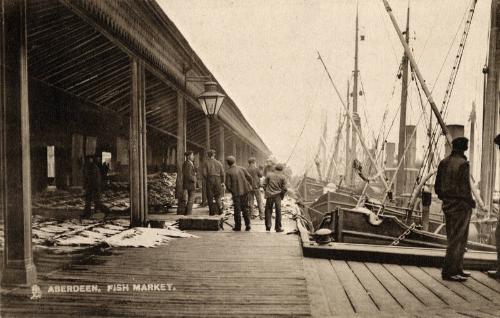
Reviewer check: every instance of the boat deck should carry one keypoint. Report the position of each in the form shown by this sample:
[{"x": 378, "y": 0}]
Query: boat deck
[{"x": 246, "y": 274}]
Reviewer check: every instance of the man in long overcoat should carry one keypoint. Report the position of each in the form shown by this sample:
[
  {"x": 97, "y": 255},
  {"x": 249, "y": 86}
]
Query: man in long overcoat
[
  {"x": 188, "y": 185},
  {"x": 453, "y": 188},
  {"x": 496, "y": 273},
  {"x": 92, "y": 184},
  {"x": 213, "y": 174},
  {"x": 275, "y": 187},
  {"x": 238, "y": 183},
  {"x": 256, "y": 174}
]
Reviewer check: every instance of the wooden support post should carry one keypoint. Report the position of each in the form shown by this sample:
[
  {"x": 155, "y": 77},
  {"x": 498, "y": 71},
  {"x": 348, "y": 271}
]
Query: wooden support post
[
  {"x": 207, "y": 133},
  {"x": 205, "y": 156},
  {"x": 233, "y": 144},
  {"x": 77, "y": 159},
  {"x": 15, "y": 172},
  {"x": 245, "y": 154},
  {"x": 339, "y": 226},
  {"x": 181, "y": 146},
  {"x": 329, "y": 210},
  {"x": 221, "y": 149},
  {"x": 137, "y": 136}
]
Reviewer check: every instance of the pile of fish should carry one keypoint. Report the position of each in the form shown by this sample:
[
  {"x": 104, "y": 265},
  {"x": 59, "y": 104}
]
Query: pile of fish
[
  {"x": 59, "y": 199},
  {"x": 115, "y": 197},
  {"x": 71, "y": 235},
  {"x": 161, "y": 191},
  {"x": 146, "y": 237}
]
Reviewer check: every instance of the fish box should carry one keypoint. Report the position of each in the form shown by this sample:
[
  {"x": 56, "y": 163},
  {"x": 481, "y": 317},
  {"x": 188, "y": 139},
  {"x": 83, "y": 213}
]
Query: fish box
[{"x": 201, "y": 223}]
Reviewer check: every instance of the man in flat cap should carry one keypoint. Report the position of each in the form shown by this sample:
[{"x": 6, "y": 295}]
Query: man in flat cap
[
  {"x": 275, "y": 187},
  {"x": 496, "y": 273},
  {"x": 256, "y": 174},
  {"x": 239, "y": 184},
  {"x": 453, "y": 188},
  {"x": 213, "y": 174},
  {"x": 186, "y": 201}
]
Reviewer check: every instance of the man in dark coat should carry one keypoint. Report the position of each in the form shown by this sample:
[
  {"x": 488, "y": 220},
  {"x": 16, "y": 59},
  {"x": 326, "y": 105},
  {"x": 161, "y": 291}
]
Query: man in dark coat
[
  {"x": 186, "y": 201},
  {"x": 256, "y": 174},
  {"x": 453, "y": 188},
  {"x": 496, "y": 273},
  {"x": 92, "y": 184},
  {"x": 275, "y": 188},
  {"x": 213, "y": 174},
  {"x": 238, "y": 183}
]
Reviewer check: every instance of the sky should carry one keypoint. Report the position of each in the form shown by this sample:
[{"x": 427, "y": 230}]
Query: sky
[{"x": 264, "y": 53}]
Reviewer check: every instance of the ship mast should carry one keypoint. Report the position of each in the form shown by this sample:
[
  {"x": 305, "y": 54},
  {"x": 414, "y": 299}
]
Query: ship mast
[
  {"x": 355, "y": 98},
  {"x": 348, "y": 167},
  {"x": 401, "y": 173},
  {"x": 490, "y": 115},
  {"x": 472, "y": 136}
]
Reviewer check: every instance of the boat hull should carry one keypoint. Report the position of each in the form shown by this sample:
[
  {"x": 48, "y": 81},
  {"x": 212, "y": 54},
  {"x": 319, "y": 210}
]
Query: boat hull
[{"x": 335, "y": 211}]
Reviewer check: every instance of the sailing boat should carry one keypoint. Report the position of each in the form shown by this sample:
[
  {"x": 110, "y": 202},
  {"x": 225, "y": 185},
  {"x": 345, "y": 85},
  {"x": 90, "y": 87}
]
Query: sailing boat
[{"x": 365, "y": 222}]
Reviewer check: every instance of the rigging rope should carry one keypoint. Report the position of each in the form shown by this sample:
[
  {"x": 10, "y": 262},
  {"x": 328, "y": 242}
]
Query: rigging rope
[
  {"x": 451, "y": 82},
  {"x": 300, "y": 135}
]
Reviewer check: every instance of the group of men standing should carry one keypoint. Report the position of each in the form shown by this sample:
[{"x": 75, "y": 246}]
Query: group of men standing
[
  {"x": 243, "y": 183},
  {"x": 453, "y": 187}
]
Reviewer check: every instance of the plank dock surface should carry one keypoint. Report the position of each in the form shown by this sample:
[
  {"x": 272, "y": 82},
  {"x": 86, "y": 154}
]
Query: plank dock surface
[{"x": 248, "y": 274}]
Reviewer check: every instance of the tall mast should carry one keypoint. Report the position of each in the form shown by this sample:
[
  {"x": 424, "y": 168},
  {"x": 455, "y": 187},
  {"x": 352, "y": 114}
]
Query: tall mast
[
  {"x": 401, "y": 177},
  {"x": 490, "y": 114},
  {"x": 355, "y": 95},
  {"x": 428, "y": 94},
  {"x": 348, "y": 169},
  {"x": 472, "y": 136}
]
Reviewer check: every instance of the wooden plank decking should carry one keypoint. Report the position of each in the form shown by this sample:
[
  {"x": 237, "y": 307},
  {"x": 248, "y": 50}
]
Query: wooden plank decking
[
  {"x": 219, "y": 274},
  {"x": 342, "y": 289},
  {"x": 248, "y": 274}
]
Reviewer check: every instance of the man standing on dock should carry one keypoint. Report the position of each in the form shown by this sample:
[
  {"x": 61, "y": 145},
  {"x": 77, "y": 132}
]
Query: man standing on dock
[
  {"x": 92, "y": 185},
  {"x": 238, "y": 183},
  {"x": 256, "y": 174},
  {"x": 453, "y": 187},
  {"x": 496, "y": 273},
  {"x": 213, "y": 173},
  {"x": 185, "y": 205},
  {"x": 275, "y": 188}
]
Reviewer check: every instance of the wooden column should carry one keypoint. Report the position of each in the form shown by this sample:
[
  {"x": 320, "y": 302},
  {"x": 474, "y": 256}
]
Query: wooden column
[
  {"x": 239, "y": 156},
  {"x": 244, "y": 154},
  {"x": 205, "y": 156},
  {"x": 181, "y": 143},
  {"x": 15, "y": 172},
  {"x": 77, "y": 159},
  {"x": 233, "y": 144},
  {"x": 207, "y": 133},
  {"x": 137, "y": 139},
  {"x": 221, "y": 155}
]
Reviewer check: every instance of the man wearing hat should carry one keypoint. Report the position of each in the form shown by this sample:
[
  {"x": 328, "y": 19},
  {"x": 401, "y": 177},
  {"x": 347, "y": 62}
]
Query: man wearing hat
[
  {"x": 496, "y": 273},
  {"x": 213, "y": 174},
  {"x": 239, "y": 184},
  {"x": 256, "y": 174},
  {"x": 453, "y": 187},
  {"x": 92, "y": 180},
  {"x": 186, "y": 201},
  {"x": 275, "y": 187}
]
